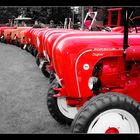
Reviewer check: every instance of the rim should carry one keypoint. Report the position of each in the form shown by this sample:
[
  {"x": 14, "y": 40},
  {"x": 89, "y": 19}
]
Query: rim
[
  {"x": 65, "y": 109},
  {"x": 114, "y": 121}
]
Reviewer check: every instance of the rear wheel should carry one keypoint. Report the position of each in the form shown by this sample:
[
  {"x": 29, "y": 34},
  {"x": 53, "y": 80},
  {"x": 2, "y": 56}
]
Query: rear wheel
[
  {"x": 108, "y": 113},
  {"x": 58, "y": 108}
]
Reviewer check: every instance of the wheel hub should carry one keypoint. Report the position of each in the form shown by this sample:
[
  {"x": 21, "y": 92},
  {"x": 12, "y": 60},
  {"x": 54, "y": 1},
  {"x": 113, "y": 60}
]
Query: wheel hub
[{"x": 112, "y": 130}]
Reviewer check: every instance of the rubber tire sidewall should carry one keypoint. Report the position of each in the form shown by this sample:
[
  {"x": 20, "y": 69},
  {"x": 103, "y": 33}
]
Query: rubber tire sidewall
[
  {"x": 35, "y": 52},
  {"x": 37, "y": 61},
  {"x": 96, "y": 105},
  {"x": 44, "y": 71},
  {"x": 53, "y": 106}
]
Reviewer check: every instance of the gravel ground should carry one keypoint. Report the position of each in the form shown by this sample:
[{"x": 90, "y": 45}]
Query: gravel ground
[{"x": 23, "y": 90}]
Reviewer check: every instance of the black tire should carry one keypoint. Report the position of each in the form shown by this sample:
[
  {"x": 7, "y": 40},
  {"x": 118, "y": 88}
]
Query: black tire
[
  {"x": 32, "y": 51},
  {"x": 29, "y": 48},
  {"x": 37, "y": 61},
  {"x": 21, "y": 46},
  {"x": 15, "y": 42},
  {"x": 44, "y": 71},
  {"x": 18, "y": 43},
  {"x": 53, "y": 107},
  {"x": 103, "y": 102},
  {"x": 52, "y": 77},
  {"x": 35, "y": 52},
  {"x": 3, "y": 40},
  {"x": 12, "y": 42}
]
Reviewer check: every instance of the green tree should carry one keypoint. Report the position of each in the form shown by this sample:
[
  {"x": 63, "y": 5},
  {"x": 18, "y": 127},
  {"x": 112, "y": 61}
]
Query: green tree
[
  {"x": 7, "y": 13},
  {"x": 43, "y": 14}
]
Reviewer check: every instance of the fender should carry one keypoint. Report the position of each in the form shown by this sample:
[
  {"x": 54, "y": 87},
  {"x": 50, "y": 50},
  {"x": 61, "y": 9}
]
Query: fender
[
  {"x": 27, "y": 35},
  {"x": 8, "y": 33},
  {"x": 51, "y": 30},
  {"x": 75, "y": 34},
  {"x": 39, "y": 41},
  {"x": 31, "y": 42},
  {"x": 22, "y": 36},
  {"x": 16, "y": 33},
  {"x": 34, "y": 36},
  {"x": 43, "y": 39},
  {"x": 51, "y": 37}
]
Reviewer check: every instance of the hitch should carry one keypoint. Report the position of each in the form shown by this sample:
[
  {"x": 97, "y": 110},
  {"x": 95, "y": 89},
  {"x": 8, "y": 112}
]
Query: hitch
[{"x": 125, "y": 41}]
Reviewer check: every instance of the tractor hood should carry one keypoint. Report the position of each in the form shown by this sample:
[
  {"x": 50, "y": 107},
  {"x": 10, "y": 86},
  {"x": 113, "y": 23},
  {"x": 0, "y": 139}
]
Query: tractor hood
[{"x": 71, "y": 51}]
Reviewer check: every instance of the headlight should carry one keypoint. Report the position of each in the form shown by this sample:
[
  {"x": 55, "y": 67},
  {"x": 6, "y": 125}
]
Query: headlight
[{"x": 93, "y": 81}]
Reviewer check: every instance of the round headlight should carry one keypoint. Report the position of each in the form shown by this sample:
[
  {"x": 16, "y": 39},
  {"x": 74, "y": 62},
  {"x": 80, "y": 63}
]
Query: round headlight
[{"x": 92, "y": 81}]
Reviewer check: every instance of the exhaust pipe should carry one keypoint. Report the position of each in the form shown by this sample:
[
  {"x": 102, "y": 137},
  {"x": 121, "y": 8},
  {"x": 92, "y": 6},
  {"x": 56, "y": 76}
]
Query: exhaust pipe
[
  {"x": 128, "y": 12},
  {"x": 125, "y": 41}
]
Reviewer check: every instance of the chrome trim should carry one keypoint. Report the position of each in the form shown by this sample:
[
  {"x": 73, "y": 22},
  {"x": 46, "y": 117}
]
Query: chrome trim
[{"x": 76, "y": 72}]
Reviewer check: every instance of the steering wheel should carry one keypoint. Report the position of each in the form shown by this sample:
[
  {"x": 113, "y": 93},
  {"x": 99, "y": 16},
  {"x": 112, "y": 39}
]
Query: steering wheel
[
  {"x": 101, "y": 28},
  {"x": 131, "y": 24}
]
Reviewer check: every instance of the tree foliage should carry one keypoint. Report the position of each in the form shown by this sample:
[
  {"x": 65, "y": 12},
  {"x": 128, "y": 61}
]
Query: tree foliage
[{"x": 43, "y": 14}]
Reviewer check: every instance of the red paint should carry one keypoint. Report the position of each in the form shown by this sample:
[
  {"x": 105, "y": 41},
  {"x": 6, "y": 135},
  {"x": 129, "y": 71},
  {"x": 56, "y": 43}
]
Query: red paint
[
  {"x": 72, "y": 51},
  {"x": 112, "y": 130}
]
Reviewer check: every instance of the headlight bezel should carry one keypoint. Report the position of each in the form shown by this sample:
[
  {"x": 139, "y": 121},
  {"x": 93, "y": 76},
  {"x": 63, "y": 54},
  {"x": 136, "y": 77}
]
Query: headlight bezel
[{"x": 94, "y": 83}]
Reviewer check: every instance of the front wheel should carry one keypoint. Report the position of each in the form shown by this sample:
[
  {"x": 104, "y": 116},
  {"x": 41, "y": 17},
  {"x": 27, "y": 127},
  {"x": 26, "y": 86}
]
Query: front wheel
[
  {"x": 3, "y": 40},
  {"x": 58, "y": 107},
  {"x": 35, "y": 52},
  {"x": 52, "y": 76},
  {"x": 37, "y": 61},
  {"x": 44, "y": 70},
  {"x": 108, "y": 113}
]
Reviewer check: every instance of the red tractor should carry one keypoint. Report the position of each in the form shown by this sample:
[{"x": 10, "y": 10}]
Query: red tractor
[
  {"x": 28, "y": 39},
  {"x": 5, "y": 33},
  {"x": 2, "y": 31},
  {"x": 28, "y": 46},
  {"x": 52, "y": 34},
  {"x": 31, "y": 40},
  {"x": 46, "y": 63},
  {"x": 20, "y": 23},
  {"x": 97, "y": 81},
  {"x": 21, "y": 38},
  {"x": 47, "y": 66},
  {"x": 15, "y": 35},
  {"x": 39, "y": 45}
]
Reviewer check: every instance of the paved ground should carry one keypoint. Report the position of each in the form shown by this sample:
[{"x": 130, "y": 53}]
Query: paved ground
[{"x": 23, "y": 90}]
